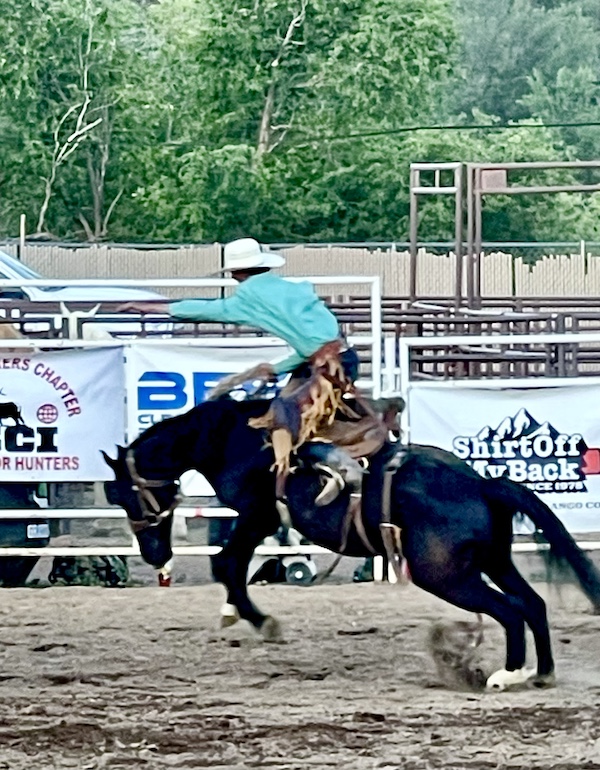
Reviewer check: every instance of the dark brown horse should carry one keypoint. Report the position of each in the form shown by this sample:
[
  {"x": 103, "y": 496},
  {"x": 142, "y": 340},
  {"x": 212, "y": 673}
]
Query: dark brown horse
[{"x": 456, "y": 526}]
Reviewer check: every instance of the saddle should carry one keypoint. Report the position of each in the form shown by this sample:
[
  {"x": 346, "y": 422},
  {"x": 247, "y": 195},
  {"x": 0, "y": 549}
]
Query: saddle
[{"x": 364, "y": 437}]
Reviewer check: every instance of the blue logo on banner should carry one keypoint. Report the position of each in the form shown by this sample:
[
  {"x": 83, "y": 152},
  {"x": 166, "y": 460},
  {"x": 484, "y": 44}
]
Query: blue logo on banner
[{"x": 166, "y": 390}]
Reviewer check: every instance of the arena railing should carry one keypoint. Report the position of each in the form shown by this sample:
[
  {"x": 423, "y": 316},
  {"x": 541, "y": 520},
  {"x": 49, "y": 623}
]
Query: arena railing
[
  {"x": 436, "y": 354},
  {"x": 370, "y": 340}
]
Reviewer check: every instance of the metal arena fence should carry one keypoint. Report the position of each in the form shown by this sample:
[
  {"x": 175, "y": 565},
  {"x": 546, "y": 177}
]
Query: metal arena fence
[
  {"x": 369, "y": 342},
  {"x": 486, "y": 348}
]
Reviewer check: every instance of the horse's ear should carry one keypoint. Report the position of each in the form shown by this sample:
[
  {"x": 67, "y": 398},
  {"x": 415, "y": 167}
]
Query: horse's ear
[
  {"x": 108, "y": 460},
  {"x": 121, "y": 451}
]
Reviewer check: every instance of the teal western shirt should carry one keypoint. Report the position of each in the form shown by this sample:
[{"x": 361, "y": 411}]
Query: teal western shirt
[{"x": 291, "y": 311}]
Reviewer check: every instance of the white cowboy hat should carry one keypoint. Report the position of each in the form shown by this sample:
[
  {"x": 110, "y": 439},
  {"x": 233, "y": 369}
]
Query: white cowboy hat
[{"x": 246, "y": 253}]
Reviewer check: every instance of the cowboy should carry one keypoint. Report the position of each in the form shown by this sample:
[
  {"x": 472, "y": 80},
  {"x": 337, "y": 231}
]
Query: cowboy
[{"x": 323, "y": 367}]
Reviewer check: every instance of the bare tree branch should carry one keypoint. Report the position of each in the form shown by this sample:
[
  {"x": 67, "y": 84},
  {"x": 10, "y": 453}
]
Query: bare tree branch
[
  {"x": 111, "y": 208},
  {"x": 265, "y": 131},
  {"x": 64, "y": 148},
  {"x": 86, "y": 226},
  {"x": 296, "y": 22},
  {"x": 276, "y": 142}
]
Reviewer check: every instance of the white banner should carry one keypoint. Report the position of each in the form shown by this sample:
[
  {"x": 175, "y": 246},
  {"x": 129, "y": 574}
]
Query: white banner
[
  {"x": 57, "y": 411},
  {"x": 163, "y": 381},
  {"x": 547, "y": 438}
]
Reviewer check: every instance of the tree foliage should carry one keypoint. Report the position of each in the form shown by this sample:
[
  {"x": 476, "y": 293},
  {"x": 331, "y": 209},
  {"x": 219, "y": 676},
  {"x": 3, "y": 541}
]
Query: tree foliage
[
  {"x": 260, "y": 90},
  {"x": 505, "y": 42},
  {"x": 203, "y": 120}
]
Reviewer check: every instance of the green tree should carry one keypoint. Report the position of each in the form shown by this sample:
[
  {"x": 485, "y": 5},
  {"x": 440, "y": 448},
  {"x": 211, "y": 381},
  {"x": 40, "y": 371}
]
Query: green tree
[
  {"x": 68, "y": 82},
  {"x": 267, "y": 85},
  {"x": 574, "y": 96},
  {"x": 201, "y": 120},
  {"x": 505, "y": 42}
]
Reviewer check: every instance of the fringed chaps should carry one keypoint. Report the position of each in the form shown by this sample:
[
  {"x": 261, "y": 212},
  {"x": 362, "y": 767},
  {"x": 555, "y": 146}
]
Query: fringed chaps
[{"x": 303, "y": 412}]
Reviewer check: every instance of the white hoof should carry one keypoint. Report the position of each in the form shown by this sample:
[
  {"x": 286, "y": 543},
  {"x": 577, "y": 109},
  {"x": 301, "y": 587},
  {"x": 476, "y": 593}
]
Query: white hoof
[
  {"x": 166, "y": 568},
  {"x": 506, "y": 680},
  {"x": 229, "y": 615}
]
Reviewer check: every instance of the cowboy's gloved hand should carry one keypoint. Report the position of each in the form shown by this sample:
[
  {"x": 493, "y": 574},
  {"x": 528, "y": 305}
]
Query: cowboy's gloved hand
[
  {"x": 265, "y": 372},
  {"x": 262, "y": 372}
]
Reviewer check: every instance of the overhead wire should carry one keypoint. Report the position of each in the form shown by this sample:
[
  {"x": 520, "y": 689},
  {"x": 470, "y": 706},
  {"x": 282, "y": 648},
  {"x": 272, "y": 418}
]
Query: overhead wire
[{"x": 374, "y": 133}]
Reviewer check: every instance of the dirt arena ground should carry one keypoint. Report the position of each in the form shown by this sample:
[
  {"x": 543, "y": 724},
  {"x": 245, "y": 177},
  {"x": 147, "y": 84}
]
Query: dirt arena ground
[{"x": 144, "y": 678}]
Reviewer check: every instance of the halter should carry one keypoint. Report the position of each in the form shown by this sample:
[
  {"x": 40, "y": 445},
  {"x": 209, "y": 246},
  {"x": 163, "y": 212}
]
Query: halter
[{"x": 152, "y": 516}]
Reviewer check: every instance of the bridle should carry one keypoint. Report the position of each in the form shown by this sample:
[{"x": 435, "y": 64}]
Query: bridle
[{"x": 152, "y": 515}]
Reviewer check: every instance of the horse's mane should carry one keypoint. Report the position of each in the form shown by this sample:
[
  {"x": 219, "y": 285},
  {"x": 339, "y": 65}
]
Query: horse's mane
[{"x": 212, "y": 411}]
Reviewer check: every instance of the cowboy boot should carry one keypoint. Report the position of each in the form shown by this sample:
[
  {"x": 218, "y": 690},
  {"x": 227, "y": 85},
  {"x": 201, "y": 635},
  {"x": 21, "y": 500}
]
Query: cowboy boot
[{"x": 339, "y": 469}]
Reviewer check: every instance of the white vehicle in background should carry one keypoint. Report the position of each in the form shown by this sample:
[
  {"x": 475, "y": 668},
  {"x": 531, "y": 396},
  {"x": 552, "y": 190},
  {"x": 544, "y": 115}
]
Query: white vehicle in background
[{"x": 13, "y": 269}]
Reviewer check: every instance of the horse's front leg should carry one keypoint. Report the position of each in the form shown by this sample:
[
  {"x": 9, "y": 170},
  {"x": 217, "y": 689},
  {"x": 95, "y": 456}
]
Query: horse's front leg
[{"x": 230, "y": 567}]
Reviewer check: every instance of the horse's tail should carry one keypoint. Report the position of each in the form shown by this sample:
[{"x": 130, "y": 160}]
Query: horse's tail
[{"x": 520, "y": 499}]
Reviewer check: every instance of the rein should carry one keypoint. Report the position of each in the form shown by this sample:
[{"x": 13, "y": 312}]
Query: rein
[
  {"x": 390, "y": 533},
  {"x": 354, "y": 516},
  {"x": 152, "y": 515}
]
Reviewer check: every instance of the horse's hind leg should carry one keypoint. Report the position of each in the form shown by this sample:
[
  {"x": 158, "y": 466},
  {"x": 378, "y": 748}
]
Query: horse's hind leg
[
  {"x": 471, "y": 593},
  {"x": 510, "y": 580}
]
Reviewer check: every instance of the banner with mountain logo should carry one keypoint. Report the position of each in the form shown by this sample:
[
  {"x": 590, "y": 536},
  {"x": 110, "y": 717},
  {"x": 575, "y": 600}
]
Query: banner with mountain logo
[{"x": 546, "y": 438}]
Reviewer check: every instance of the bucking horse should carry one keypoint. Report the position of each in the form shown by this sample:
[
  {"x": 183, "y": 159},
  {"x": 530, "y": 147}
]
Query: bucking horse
[{"x": 456, "y": 526}]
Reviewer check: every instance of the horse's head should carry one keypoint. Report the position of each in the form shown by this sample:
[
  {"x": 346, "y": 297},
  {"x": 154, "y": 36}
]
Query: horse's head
[{"x": 149, "y": 504}]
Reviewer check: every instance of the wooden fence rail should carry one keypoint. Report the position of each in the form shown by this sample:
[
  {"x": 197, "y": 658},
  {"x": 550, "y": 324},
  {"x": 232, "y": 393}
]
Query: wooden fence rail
[{"x": 555, "y": 276}]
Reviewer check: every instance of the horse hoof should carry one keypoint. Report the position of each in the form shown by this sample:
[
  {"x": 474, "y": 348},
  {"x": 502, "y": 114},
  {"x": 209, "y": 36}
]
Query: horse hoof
[
  {"x": 544, "y": 681},
  {"x": 271, "y": 630},
  {"x": 229, "y": 615},
  {"x": 508, "y": 680}
]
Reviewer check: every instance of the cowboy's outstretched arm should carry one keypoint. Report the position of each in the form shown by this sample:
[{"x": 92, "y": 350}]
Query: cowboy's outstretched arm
[
  {"x": 226, "y": 310},
  {"x": 223, "y": 310},
  {"x": 144, "y": 307}
]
